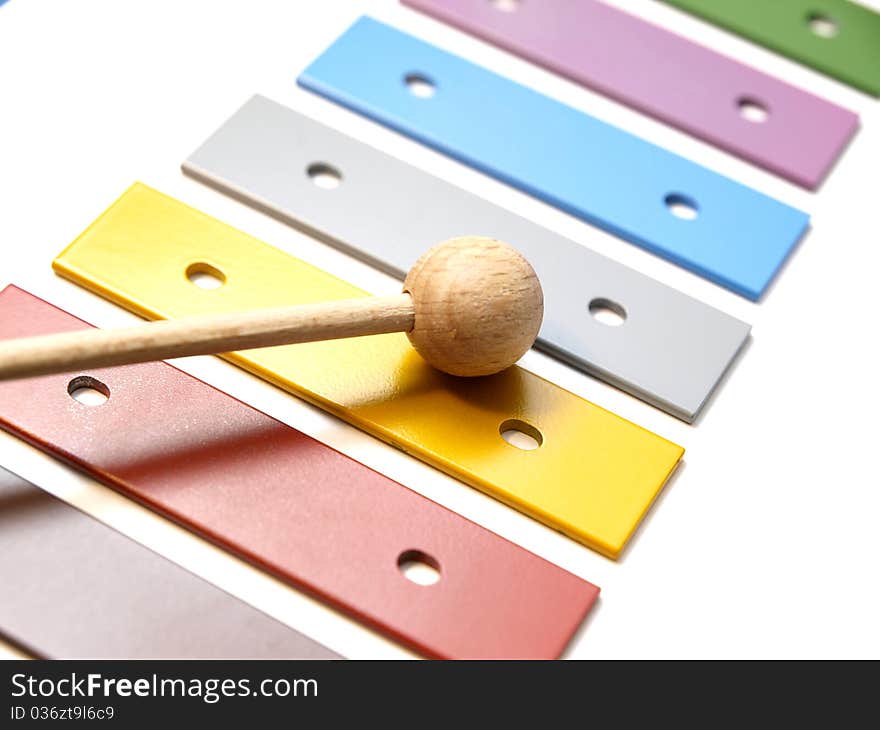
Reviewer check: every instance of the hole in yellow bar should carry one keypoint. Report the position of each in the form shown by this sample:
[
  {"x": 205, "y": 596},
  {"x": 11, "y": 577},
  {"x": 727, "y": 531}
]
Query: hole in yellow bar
[
  {"x": 205, "y": 276},
  {"x": 520, "y": 434}
]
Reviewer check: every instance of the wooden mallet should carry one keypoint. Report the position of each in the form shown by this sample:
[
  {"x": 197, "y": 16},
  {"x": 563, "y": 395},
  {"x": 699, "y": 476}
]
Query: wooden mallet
[{"x": 470, "y": 306}]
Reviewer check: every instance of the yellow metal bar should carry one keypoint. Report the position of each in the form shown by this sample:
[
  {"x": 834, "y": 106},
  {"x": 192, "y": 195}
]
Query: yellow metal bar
[{"x": 593, "y": 477}]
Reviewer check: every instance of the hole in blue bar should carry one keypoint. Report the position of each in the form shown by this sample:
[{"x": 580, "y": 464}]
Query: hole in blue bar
[
  {"x": 420, "y": 85},
  {"x": 681, "y": 206}
]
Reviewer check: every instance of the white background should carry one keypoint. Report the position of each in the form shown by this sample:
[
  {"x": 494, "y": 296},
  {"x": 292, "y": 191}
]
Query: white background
[{"x": 764, "y": 544}]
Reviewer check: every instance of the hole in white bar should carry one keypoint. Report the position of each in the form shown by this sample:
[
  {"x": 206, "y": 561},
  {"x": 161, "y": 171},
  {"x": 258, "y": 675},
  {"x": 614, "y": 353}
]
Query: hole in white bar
[{"x": 324, "y": 176}]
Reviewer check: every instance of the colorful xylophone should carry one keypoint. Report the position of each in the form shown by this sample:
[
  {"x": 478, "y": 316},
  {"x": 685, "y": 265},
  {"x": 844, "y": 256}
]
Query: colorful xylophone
[{"x": 319, "y": 520}]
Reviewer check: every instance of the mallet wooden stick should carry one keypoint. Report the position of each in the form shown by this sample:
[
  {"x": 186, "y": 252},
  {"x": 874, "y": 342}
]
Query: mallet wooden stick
[{"x": 470, "y": 306}]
